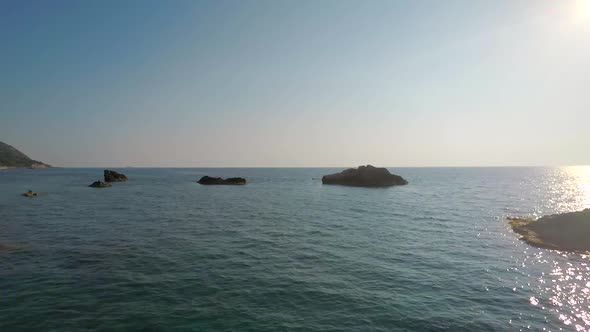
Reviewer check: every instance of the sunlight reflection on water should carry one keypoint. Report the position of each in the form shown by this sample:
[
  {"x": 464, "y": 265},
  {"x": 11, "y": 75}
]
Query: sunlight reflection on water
[
  {"x": 566, "y": 290},
  {"x": 577, "y": 186}
]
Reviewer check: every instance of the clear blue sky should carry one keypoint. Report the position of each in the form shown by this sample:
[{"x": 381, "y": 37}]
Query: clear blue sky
[{"x": 296, "y": 83}]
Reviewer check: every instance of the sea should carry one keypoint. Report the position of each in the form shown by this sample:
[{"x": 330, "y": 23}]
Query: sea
[{"x": 285, "y": 253}]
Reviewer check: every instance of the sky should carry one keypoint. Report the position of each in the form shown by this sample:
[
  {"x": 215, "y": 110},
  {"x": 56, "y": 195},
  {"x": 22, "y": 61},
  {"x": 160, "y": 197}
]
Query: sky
[{"x": 296, "y": 83}]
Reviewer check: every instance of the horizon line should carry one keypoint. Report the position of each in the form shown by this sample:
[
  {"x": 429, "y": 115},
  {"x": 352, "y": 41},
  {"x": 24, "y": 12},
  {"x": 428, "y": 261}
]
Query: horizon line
[{"x": 303, "y": 167}]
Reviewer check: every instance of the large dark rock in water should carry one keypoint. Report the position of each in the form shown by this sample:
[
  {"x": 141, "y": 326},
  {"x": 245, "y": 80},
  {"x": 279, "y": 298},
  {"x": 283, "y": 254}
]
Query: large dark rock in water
[
  {"x": 566, "y": 231},
  {"x": 112, "y": 176},
  {"x": 365, "y": 176},
  {"x": 100, "y": 184},
  {"x": 231, "y": 181}
]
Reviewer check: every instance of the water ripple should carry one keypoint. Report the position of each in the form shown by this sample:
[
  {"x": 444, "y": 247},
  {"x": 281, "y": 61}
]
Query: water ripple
[{"x": 286, "y": 253}]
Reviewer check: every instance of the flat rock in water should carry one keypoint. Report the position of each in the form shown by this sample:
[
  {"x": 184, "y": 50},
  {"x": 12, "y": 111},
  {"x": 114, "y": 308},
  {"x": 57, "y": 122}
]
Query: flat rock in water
[
  {"x": 566, "y": 231},
  {"x": 112, "y": 176},
  {"x": 7, "y": 248},
  {"x": 30, "y": 193},
  {"x": 207, "y": 180},
  {"x": 365, "y": 176},
  {"x": 100, "y": 184}
]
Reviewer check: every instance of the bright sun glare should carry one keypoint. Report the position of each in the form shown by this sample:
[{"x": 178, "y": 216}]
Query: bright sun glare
[{"x": 582, "y": 9}]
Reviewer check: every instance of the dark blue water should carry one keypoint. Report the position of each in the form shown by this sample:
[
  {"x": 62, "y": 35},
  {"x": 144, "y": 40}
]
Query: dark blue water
[{"x": 284, "y": 252}]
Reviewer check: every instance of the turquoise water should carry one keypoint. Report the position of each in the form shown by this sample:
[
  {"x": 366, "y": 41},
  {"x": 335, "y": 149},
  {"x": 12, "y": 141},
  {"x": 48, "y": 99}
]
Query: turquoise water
[{"x": 284, "y": 252}]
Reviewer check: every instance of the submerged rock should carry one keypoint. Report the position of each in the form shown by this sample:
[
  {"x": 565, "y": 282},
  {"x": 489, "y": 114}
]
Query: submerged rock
[
  {"x": 365, "y": 176},
  {"x": 8, "y": 248},
  {"x": 566, "y": 231},
  {"x": 30, "y": 193},
  {"x": 100, "y": 184},
  {"x": 112, "y": 176},
  {"x": 231, "y": 181}
]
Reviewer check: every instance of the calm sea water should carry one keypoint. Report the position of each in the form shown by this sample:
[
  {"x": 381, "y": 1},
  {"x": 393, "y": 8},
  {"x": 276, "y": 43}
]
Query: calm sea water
[{"x": 161, "y": 252}]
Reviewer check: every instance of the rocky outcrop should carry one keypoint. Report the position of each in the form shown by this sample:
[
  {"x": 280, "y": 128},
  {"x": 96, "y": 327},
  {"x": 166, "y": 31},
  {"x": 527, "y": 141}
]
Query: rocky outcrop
[
  {"x": 100, "y": 184},
  {"x": 112, "y": 176},
  {"x": 207, "y": 180},
  {"x": 30, "y": 193},
  {"x": 365, "y": 176},
  {"x": 565, "y": 231},
  {"x": 38, "y": 165}
]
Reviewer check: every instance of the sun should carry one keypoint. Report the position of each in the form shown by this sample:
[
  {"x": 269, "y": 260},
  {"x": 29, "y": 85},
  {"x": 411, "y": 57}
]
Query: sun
[{"x": 582, "y": 9}]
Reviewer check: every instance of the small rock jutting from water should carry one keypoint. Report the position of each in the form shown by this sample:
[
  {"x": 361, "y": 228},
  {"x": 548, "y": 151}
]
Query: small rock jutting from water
[
  {"x": 30, "y": 193},
  {"x": 365, "y": 176},
  {"x": 207, "y": 180},
  {"x": 112, "y": 176},
  {"x": 100, "y": 184}
]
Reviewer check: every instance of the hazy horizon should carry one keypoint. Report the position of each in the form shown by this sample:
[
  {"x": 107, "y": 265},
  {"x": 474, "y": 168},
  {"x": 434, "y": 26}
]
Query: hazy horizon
[{"x": 296, "y": 83}]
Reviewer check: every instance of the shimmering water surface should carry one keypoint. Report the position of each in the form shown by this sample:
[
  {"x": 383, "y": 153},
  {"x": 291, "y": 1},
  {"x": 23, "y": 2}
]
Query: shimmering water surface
[{"x": 161, "y": 252}]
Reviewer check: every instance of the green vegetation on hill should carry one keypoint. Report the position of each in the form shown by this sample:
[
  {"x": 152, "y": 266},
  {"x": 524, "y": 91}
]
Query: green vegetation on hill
[{"x": 11, "y": 157}]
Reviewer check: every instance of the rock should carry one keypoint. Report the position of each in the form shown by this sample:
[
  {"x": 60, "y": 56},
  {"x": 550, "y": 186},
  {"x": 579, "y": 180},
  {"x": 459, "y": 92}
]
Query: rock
[
  {"x": 112, "y": 176},
  {"x": 566, "y": 231},
  {"x": 231, "y": 181},
  {"x": 365, "y": 176},
  {"x": 100, "y": 184},
  {"x": 30, "y": 193},
  {"x": 37, "y": 165},
  {"x": 3, "y": 247},
  {"x": 8, "y": 248}
]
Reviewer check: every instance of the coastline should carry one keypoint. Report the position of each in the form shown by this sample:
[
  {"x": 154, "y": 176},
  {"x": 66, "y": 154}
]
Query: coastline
[{"x": 33, "y": 166}]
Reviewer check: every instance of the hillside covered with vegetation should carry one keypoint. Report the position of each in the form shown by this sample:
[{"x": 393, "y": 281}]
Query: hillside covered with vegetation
[{"x": 10, "y": 157}]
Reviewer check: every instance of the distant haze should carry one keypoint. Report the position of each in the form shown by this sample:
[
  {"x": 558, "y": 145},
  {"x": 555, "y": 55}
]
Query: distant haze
[{"x": 296, "y": 83}]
